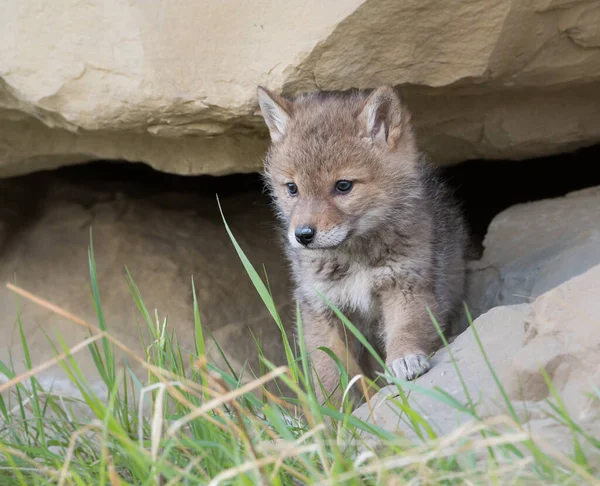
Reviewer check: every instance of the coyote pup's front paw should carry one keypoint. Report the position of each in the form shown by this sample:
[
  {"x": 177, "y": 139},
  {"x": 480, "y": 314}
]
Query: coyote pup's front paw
[{"x": 410, "y": 366}]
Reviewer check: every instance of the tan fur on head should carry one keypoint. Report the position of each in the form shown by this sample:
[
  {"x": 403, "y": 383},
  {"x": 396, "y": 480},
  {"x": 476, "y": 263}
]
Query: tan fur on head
[
  {"x": 361, "y": 137},
  {"x": 276, "y": 111},
  {"x": 383, "y": 116},
  {"x": 367, "y": 223}
]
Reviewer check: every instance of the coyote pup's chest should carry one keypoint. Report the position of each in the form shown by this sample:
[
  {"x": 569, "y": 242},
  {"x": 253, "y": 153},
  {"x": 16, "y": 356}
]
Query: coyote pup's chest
[{"x": 349, "y": 286}]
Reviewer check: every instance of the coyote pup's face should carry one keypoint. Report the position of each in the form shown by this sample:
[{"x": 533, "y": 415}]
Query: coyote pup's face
[{"x": 339, "y": 164}]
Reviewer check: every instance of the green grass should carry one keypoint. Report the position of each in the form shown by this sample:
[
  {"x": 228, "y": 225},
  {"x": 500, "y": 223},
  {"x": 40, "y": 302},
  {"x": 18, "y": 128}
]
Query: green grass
[{"x": 189, "y": 422}]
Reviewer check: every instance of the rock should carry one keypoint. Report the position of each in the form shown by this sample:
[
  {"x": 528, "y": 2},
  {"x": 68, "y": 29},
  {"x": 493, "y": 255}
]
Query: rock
[
  {"x": 500, "y": 325},
  {"x": 558, "y": 333},
  {"x": 562, "y": 337},
  {"x": 164, "y": 239},
  {"x": 534, "y": 247},
  {"x": 174, "y": 83}
]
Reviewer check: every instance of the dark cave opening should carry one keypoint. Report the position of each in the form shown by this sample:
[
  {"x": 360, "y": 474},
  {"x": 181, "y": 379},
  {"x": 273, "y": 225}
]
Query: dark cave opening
[{"x": 484, "y": 187}]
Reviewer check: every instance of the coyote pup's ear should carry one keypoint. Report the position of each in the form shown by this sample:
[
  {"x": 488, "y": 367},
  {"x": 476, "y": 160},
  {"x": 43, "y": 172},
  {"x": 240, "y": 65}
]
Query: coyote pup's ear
[
  {"x": 381, "y": 117},
  {"x": 276, "y": 112}
]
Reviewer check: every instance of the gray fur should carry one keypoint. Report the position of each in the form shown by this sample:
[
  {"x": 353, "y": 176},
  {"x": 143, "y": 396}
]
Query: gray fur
[{"x": 383, "y": 253}]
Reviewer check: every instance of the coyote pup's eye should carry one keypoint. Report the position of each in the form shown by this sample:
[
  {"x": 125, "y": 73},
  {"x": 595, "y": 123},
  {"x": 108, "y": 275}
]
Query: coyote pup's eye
[
  {"x": 343, "y": 187},
  {"x": 292, "y": 188}
]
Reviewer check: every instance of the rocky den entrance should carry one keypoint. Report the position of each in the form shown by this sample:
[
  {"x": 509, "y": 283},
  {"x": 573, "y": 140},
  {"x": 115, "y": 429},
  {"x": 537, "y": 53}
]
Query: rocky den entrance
[{"x": 535, "y": 231}]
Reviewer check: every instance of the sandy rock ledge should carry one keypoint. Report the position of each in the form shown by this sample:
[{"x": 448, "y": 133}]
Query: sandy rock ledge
[{"x": 173, "y": 84}]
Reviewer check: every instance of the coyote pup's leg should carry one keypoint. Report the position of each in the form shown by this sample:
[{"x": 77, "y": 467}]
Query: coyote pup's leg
[
  {"x": 324, "y": 330},
  {"x": 410, "y": 335}
]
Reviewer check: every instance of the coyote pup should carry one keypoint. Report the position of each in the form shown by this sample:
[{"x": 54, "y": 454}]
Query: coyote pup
[{"x": 367, "y": 224}]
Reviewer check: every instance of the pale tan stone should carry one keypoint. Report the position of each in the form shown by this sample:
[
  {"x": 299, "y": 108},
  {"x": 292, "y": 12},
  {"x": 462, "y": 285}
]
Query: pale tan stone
[
  {"x": 174, "y": 83},
  {"x": 532, "y": 248},
  {"x": 559, "y": 333}
]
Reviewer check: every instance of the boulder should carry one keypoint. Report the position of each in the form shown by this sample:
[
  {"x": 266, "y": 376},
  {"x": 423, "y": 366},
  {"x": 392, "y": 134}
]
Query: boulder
[
  {"x": 533, "y": 247},
  {"x": 174, "y": 83},
  {"x": 500, "y": 325},
  {"x": 559, "y": 333},
  {"x": 165, "y": 239}
]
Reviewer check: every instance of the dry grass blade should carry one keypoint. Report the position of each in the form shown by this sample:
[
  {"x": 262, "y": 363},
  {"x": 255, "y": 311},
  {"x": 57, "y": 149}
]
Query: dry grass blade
[
  {"x": 46, "y": 471},
  {"x": 70, "y": 451},
  {"x": 113, "y": 475},
  {"x": 194, "y": 461},
  {"x": 157, "y": 422},
  {"x": 418, "y": 457},
  {"x": 250, "y": 465},
  {"x": 48, "y": 364},
  {"x": 51, "y": 307},
  {"x": 502, "y": 471},
  {"x": 143, "y": 392},
  {"x": 216, "y": 402},
  {"x": 160, "y": 373}
]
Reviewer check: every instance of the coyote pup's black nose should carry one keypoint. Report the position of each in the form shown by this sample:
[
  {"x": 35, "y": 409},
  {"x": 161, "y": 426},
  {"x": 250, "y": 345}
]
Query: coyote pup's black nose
[{"x": 305, "y": 234}]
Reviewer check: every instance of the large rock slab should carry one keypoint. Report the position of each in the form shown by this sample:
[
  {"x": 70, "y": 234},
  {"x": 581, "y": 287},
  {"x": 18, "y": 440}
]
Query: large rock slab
[
  {"x": 174, "y": 83},
  {"x": 559, "y": 333},
  {"x": 164, "y": 239},
  {"x": 500, "y": 325},
  {"x": 532, "y": 248}
]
